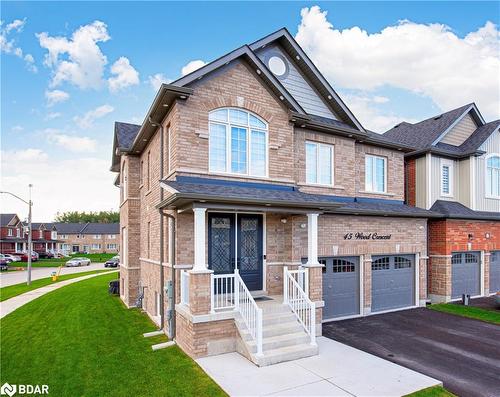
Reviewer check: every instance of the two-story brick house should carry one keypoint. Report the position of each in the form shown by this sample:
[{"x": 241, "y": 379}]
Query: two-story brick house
[
  {"x": 249, "y": 184},
  {"x": 89, "y": 237},
  {"x": 11, "y": 234},
  {"x": 44, "y": 237},
  {"x": 454, "y": 170}
]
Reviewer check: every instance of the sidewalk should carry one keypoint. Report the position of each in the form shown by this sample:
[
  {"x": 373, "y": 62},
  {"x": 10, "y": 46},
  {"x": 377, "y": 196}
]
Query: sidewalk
[
  {"x": 338, "y": 370},
  {"x": 9, "y": 305}
]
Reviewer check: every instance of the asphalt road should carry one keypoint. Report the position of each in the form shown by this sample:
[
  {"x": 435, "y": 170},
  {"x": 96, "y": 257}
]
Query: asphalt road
[
  {"x": 463, "y": 353},
  {"x": 10, "y": 278}
]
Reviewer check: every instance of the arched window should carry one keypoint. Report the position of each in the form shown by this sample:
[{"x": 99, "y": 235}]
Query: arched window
[
  {"x": 237, "y": 142},
  {"x": 493, "y": 175}
]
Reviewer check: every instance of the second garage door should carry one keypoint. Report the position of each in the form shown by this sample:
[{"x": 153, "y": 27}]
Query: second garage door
[
  {"x": 465, "y": 274},
  {"x": 393, "y": 282},
  {"x": 494, "y": 272}
]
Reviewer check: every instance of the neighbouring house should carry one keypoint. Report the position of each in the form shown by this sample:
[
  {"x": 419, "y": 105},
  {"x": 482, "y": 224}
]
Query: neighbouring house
[
  {"x": 88, "y": 237},
  {"x": 251, "y": 184},
  {"x": 454, "y": 170},
  {"x": 44, "y": 237},
  {"x": 12, "y": 237}
]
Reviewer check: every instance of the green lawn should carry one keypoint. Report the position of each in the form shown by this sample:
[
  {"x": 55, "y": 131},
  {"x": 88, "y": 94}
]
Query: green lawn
[
  {"x": 83, "y": 342},
  {"x": 476, "y": 313},
  {"x": 18, "y": 289},
  {"x": 55, "y": 262},
  {"x": 436, "y": 391}
]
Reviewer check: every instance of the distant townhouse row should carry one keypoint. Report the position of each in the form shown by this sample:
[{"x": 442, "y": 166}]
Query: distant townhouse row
[{"x": 58, "y": 237}]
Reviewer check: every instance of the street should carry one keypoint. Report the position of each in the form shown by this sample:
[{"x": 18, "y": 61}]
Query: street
[{"x": 10, "y": 278}]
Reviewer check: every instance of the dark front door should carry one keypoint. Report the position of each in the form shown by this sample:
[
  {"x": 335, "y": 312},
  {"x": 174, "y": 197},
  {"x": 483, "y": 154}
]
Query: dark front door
[
  {"x": 250, "y": 250},
  {"x": 236, "y": 240},
  {"x": 221, "y": 252}
]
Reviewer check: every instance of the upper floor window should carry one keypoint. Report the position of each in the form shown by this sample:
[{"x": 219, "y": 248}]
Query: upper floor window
[
  {"x": 141, "y": 172},
  {"x": 97, "y": 236},
  {"x": 446, "y": 177},
  {"x": 18, "y": 232},
  {"x": 41, "y": 233},
  {"x": 148, "y": 171},
  {"x": 319, "y": 163},
  {"x": 10, "y": 232},
  {"x": 237, "y": 142},
  {"x": 111, "y": 236},
  {"x": 493, "y": 176},
  {"x": 375, "y": 174},
  {"x": 53, "y": 235}
]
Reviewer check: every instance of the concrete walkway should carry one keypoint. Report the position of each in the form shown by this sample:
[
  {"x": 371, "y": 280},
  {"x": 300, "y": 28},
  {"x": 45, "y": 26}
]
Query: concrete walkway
[
  {"x": 9, "y": 305},
  {"x": 338, "y": 370}
]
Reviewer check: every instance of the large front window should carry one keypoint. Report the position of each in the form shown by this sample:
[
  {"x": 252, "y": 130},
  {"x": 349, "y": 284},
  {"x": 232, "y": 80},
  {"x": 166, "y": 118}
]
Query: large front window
[
  {"x": 493, "y": 176},
  {"x": 375, "y": 174},
  {"x": 238, "y": 142},
  {"x": 319, "y": 163}
]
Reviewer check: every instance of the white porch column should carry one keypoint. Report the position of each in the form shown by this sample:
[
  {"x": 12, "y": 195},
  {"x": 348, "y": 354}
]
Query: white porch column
[
  {"x": 200, "y": 263},
  {"x": 312, "y": 239}
]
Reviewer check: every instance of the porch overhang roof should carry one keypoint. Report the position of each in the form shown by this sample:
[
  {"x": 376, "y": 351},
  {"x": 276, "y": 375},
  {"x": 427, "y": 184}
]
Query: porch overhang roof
[{"x": 273, "y": 196}]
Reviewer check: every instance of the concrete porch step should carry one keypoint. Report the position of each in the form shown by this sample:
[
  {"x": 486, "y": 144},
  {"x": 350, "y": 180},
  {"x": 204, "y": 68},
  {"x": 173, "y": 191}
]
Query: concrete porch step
[
  {"x": 278, "y": 341},
  {"x": 277, "y": 318},
  {"x": 268, "y": 330},
  {"x": 283, "y": 354}
]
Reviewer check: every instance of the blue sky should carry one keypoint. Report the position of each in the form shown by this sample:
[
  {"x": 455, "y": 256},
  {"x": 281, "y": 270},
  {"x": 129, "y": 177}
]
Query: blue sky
[{"x": 66, "y": 146}]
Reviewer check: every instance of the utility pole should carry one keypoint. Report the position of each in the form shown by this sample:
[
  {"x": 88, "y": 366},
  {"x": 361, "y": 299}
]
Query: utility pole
[{"x": 30, "y": 204}]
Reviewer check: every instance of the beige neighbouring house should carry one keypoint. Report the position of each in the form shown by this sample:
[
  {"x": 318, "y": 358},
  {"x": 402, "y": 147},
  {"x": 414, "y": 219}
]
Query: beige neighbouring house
[
  {"x": 90, "y": 237},
  {"x": 254, "y": 206}
]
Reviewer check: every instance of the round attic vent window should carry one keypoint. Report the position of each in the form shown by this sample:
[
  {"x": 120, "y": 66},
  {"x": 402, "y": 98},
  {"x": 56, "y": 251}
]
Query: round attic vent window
[{"x": 277, "y": 65}]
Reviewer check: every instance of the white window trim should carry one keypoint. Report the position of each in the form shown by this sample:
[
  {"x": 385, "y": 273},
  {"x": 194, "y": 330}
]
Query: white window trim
[
  {"x": 318, "y": 165},
  {"x": 227, "y": 125},
  {"x": 487, "y": 184},
  {"x": 10, "y": 232},
  {"x": 367, "y": 188},
  {"x": 451, "y": 166}
]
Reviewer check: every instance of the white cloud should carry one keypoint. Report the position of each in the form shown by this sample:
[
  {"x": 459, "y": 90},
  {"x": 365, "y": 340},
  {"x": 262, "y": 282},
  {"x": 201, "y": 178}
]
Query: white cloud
[
  {"x": 52, "y": 115},
  {"x": 49, "y": 176},
  {"x": 17, "y": 128},
  {"x": 429, "y": 60},
  {"x": 56, "y": 96},
  {"x": 87, "y": 120},
  {"x": 124, "y": 75},
  {"x": 79, "y": 144},
  {"x": 157, "y": 79},
  {"x": 364, "y": 108},
  {"x": 192, "y": 66},
  {"x": 77, "y": 60},
  {"x": 8, "y": 46}
]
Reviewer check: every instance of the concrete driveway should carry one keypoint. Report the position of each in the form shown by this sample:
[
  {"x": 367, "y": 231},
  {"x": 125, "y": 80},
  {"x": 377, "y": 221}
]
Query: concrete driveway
[
  {"x": 463, "y": 353},
  {"x": 338, "y": 370},
  {"x": 10, "y": 278}
]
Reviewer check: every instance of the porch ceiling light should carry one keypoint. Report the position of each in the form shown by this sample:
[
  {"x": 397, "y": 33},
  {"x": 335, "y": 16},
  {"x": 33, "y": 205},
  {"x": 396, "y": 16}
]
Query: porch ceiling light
[
  {"x": 283, "y": 220},
  {"x": 183, "y": 97},
  {"x": 303, "y": 225}
]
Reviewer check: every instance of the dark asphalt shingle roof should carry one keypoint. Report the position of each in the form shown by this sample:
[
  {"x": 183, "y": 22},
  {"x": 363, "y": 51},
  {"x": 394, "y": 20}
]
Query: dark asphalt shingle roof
[
  {"x": 125, "y": 134},
  {"x": 421, "y": 135},
  {"x": 6, "y": 218},
  {"x": 88, "y": 228},
  {"x": 453, "y": 209},
  {"x": 212, "y": 188}
]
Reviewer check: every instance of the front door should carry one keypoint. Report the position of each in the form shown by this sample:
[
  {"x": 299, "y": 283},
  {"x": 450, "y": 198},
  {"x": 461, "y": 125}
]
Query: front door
[{"x": 235, "y": 240}]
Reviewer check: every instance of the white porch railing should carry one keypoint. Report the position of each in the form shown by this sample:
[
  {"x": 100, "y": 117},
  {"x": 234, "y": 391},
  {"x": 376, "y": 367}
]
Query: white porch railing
[
  {"x": 184, "y": 287},
  {"x": 301, "y": 275},
  {"x": 298, "y": 300},
  {"x": 230, "y": 292}
]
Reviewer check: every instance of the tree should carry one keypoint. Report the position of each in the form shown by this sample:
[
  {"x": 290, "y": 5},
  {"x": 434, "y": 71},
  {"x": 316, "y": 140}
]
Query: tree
[{"x": 83, "y": 217}]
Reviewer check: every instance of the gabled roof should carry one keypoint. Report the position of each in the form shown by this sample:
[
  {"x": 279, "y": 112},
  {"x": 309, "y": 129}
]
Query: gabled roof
[
  {"x": 69, "y": 228},
  {"x": 180, "y": 90},
  {"x": 425, "y": 135},
  {"x": 6, "y": 219},
  {"x": 455, "y": 210}
]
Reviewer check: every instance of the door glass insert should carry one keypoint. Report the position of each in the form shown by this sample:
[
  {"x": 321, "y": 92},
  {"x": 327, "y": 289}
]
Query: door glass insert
[
  {"x": 249, "y": 244},
  {"x": 220, "y": 244}
]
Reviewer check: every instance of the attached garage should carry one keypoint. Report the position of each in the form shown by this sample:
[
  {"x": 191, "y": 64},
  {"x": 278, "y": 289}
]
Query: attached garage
[
  {"x": 341, "y": 286},
  {"x": 465, "y": 274},
  {"x": 494, "y": 272},
  {"x": 393, "y": 282}
]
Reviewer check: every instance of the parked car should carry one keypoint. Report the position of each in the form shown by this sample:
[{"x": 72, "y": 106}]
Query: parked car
[
  {"x": 6, "y": 259},
  {"x": 13, "y": 258},
  {"x": 24, "y": 256},
  {"x": 78, "y": 262},
  {"x": 113, "y": 262},
  {"x": 3, "y": 265},
  {"x": 45, "y": 254},
  {"x": 497, "y": 299}
]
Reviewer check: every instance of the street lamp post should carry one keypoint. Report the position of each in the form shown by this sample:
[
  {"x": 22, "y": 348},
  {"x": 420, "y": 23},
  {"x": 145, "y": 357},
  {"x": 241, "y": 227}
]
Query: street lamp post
[{"x": 30, "y": 204}]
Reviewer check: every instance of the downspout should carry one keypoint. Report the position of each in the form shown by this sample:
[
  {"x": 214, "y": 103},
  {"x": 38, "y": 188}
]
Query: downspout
[{"x": 172, "y": 264}]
